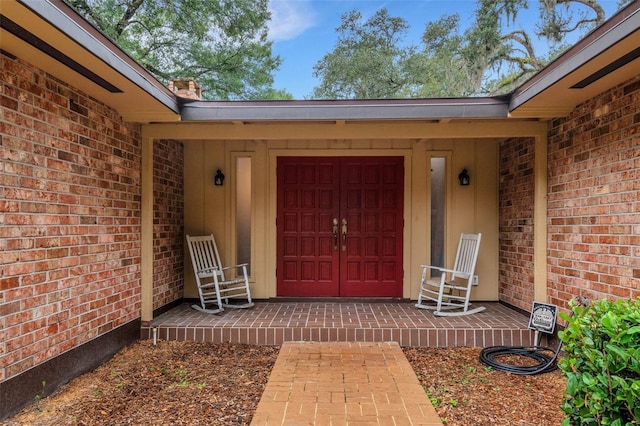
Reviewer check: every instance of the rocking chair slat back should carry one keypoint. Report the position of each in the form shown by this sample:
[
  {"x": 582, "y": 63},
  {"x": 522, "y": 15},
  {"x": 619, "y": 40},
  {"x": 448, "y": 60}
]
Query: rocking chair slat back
[
  {"x": 205, "y": 255},
  {"x": 467, "y": 256}
]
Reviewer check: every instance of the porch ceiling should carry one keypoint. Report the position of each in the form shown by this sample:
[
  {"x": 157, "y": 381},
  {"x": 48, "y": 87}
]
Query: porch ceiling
[{"x": 53, "y": 37}]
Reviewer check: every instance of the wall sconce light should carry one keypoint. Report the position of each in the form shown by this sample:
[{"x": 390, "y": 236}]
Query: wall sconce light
[
  {"x": 464, "y": 178},
  {"x": 218, "y": 180}
]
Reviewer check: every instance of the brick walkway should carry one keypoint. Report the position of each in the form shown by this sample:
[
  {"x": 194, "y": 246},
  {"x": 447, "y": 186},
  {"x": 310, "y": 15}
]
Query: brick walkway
[{"x": 341, "y": 383}]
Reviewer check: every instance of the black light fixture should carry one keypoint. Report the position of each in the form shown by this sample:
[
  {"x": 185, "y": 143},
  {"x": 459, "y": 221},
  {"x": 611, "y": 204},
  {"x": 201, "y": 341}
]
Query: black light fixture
[
  {"x": 464, "y": 178},
  {"x": 218, "y": 180}
]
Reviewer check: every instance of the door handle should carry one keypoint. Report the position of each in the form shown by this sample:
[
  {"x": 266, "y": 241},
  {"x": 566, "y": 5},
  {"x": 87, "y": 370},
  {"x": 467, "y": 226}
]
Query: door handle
[
  {"x": 344, "y": 234},
  {"x": 335, "y": 234}
]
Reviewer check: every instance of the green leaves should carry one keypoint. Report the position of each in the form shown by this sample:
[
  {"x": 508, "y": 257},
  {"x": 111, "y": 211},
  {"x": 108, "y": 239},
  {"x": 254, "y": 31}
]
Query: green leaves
[
  {"x": 602, "y": 363},
  {"x": 222, "y": 44},
  {"x": 367, "y": 61}
]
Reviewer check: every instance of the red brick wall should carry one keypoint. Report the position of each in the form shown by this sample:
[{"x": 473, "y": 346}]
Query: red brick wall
[
  {"x": 594, "y": 201},
  {"x": 168, "y": 229},
  {"x": 516, "y": 201},
  {"x": 69, "y": 218}
]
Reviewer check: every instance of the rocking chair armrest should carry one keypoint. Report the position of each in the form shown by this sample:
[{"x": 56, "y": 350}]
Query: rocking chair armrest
[
  {"x": 437, "y": 268},
  {"x": 233, "y": 266},
  {"x": 216, "y": 268},
  {"x": 450, "y": 271}
]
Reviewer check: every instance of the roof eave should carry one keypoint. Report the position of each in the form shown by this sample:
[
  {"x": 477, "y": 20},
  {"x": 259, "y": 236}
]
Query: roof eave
[
  {"x": 362, "y": 110},
  {"x": 65, "y": 20},
  {"x": 577, "y": 60}
]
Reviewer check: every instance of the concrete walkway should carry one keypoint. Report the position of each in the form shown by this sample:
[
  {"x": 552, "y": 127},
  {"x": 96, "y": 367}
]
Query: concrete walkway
[{"x": 341, "y": 383}]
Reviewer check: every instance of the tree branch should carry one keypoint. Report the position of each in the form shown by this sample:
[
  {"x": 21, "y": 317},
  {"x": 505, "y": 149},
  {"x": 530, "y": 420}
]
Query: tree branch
[{"x": 122, "y": 24}]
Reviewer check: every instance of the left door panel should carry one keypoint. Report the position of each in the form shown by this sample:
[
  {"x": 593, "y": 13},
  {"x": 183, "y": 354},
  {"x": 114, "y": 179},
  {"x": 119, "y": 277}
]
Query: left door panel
[{"x": 307, "y": 204}]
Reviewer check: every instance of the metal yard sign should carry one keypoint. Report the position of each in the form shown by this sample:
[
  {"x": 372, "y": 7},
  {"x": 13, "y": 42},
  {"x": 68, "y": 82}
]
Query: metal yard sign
[{"x": 543, "y": 317}]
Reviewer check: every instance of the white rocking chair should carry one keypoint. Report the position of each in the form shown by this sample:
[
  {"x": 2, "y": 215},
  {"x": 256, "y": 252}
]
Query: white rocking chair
[
  {"x": 214, "y": 289},
  {"x": 448, "y": 295}
]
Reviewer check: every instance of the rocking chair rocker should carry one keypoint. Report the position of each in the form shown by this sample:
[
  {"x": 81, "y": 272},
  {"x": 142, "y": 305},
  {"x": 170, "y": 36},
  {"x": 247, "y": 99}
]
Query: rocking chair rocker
[
  {"x": 450, "y": 291},
  {"x": 214, "y": 289}
]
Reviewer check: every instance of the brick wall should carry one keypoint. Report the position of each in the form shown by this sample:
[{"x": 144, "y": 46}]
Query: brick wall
[
  {"x": 168, "y": 229},
  {"x": 69, "y": 218},
  {"x": 594, "y": 201},
  {"x": 516, "y": 202}
]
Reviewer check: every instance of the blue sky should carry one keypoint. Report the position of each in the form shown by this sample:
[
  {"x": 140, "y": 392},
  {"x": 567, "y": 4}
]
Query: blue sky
[{"x": 303, "y": 31}]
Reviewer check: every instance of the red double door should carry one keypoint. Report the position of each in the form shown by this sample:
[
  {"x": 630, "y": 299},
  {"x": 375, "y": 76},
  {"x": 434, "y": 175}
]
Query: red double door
[{"x": 339, "y": 226}]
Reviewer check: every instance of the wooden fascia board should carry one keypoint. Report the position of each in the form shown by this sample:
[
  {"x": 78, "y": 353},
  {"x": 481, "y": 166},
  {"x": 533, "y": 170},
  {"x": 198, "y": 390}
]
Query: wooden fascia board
[{"x": 366, "y": 130}]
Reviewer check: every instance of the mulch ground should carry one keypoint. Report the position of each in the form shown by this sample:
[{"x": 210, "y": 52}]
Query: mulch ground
[
  {"x": 465, "y": 392},
  {"x": 188, "y": 383}
]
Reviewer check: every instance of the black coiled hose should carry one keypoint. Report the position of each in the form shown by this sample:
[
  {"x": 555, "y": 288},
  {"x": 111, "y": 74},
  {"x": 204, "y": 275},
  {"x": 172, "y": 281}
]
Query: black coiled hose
[{"x": 545, "y": 363}]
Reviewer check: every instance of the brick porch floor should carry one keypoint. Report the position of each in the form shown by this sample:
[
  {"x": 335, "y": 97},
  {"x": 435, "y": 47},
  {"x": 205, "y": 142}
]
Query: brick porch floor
[{"x": 273, "y": 323}]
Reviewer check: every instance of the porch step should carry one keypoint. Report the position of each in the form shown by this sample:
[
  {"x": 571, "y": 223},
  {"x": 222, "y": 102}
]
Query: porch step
[{"x": 273, "y": 323}]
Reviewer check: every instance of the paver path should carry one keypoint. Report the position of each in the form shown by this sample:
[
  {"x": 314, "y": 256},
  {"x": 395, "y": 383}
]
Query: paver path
[{"x": 341, "y": 383}]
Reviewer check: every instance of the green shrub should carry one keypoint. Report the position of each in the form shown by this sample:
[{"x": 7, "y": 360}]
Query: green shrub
[{"x": 602, "y": 363}]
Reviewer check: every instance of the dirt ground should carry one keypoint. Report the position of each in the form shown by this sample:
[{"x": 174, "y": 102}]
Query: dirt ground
[{"x": 187, "y": 383}]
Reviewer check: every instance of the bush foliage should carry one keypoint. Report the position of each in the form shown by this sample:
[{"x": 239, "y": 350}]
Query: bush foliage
[{"x": 602, "y": 363}]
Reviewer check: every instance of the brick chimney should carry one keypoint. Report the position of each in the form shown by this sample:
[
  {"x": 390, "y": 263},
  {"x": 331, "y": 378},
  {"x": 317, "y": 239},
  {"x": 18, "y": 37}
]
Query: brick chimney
[{"x": 186, "y": 88}]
